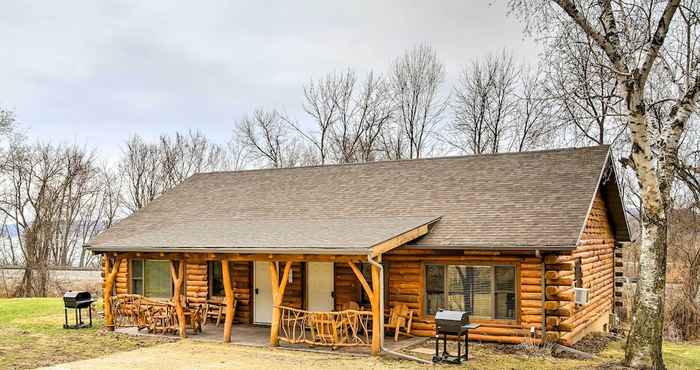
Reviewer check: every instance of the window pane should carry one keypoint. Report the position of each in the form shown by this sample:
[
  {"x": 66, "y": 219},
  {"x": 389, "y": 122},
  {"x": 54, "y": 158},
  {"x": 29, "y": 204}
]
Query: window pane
[
  {"x": 217, "y": 279},
  {"x": 458, "y": 288},
  {"x": 157, "y": 279},
  {"x": 434, "y": 288},
  {"x": 137, "y": 277},
  {"x": 505, "y": 292},
  {"x": 481, "y": 289},
  {"x": 469, "y": 289},
  {"x": 136, "y": 268}
]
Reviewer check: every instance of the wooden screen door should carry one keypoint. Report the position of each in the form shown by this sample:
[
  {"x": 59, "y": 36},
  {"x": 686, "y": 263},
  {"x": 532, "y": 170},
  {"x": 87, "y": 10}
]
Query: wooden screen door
[
  {"x": 319, "y": 286},
  {"x": 262, "y": 288}
]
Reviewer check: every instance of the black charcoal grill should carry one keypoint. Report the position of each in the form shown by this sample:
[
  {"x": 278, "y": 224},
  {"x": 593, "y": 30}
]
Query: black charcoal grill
[
  {"x": 455, "y": 323},
  {"x": 77, "y": 301}
]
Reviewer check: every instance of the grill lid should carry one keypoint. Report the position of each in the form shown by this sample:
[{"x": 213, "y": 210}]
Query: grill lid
[
  {"x": 444, "y": 315},
  {"x": 76, "y": 296}
]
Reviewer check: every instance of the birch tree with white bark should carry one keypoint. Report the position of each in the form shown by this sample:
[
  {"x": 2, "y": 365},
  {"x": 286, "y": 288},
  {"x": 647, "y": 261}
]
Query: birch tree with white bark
[{"x": 635, "y": 39}]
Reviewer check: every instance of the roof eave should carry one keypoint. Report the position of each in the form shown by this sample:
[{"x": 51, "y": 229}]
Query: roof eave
[{"x": 273, "y": 250}]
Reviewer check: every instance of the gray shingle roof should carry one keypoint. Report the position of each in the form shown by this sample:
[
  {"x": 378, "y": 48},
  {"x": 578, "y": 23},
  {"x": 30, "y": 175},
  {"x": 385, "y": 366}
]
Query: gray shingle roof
[{"x": 503, "y": 201}]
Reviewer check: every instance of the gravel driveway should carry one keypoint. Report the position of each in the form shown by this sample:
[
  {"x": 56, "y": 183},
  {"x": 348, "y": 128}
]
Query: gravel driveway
[{"x": 188, "y": 354}]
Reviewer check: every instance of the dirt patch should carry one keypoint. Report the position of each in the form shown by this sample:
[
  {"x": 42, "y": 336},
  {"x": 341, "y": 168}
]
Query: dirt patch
[{"x": 595, "y": 343}]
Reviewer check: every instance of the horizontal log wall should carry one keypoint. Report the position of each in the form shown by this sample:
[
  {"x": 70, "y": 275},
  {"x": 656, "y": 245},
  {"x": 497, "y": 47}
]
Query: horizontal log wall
[
  {"x": 243, "y": 289},
  {"x": 595, "y": 251},
  {"x": 346, "y": 286},
  {"x": 197, "y": 282},
  {"x": 294, "y": 292},
  {"x": 197, "y": 286},
  {"x": 122, "y": 285},
  {"x": 406, "y": 285}
]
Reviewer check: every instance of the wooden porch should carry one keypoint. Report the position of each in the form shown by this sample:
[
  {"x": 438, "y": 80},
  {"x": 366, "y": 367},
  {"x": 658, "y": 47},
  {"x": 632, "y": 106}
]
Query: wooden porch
[
  {"x": 259, "y": 336},
  {"x": 345, "y": 328}
]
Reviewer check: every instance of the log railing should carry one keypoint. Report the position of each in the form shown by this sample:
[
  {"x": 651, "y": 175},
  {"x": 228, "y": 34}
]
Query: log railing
[{"x": 337, "y": 328}]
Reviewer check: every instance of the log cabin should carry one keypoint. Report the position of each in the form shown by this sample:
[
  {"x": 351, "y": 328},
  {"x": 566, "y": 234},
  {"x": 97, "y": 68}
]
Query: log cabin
[{"x": 506, "y": 237}]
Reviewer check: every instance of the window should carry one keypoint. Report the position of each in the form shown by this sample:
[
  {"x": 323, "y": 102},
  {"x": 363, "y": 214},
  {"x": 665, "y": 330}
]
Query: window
[
  {"x": 486, "y": 292},
  {"x": 137, "y": 277},
  {"x": 434, "y": 288},
  {"x": 216, "y": 278},
  {"x": 151, "y": 278}
]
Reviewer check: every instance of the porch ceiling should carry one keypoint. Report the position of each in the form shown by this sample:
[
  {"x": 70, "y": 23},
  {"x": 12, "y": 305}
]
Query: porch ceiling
[{"x": 348, "y": 236}]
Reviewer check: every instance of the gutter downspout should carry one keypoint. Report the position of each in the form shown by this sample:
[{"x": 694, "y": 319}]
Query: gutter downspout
[{"x": 381, "y": 310}]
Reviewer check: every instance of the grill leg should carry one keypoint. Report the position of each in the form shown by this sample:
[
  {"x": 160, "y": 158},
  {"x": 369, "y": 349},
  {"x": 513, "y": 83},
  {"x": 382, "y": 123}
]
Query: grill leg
[
  {"x": 80, "y": 316},
  {"x": 437, "y": 345},
  {"x": 466, "y": 345},
  {"x": 459, "y": 351},
  {"x": 90, "y": 314},
  {"x": 444, "y": 345},
  {"x": 65, "y": 313},
  {"x": 76, "y": 318}
]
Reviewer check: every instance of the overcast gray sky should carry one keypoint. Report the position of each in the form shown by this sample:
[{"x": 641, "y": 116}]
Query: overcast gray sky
[{"x": 95, "y": 72}]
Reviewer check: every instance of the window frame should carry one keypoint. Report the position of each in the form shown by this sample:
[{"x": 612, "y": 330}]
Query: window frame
[
  {"x": 142, "y": 278},
  {"x": 480, "y": 319}
]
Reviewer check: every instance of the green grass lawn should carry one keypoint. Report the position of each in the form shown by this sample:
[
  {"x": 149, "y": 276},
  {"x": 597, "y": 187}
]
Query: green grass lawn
[
  {"x": 32, "y": 335},
  {"x": 676, "y": 355}
]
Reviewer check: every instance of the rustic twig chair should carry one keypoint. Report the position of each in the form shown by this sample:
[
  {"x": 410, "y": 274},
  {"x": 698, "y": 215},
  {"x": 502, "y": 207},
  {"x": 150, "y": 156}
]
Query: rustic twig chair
[
  {"x": 324, "y": 328},
  {"x": 215, "y": 309},
  {"x": 400, "y": 320}
]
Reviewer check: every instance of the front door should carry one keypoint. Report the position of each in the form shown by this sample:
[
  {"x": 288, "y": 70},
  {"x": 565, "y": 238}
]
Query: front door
[
  {"x": 263, "y": 293},
  {"x": 319, "y": 285}
]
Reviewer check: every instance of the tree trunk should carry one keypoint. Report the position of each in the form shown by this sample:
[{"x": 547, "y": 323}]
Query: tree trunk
[
  {"x": 645, "y": 338},
  {"x": 644, "y": 342}
]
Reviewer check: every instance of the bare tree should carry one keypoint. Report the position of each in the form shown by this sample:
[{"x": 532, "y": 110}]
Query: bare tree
[
  {"x": 472, "y": 101},
  {"x": 348, "y": 115},
  {"x": 322, "y": 101},
  {"x": 142, "y": 172},
  {"x": 498, "y": 105},
  {"x": 633, "y": 37},
  {"x": 153, "y": 168},
  {"x": 7, "y": 122},
  {"x": 415, "y": 79},
  {"x": 374, "y": 112},
  {"x": 582, "y": 89},
  {"x": 533, "y": 114},
  {"x": 266, "y": 137},
  {"x": 44, "y": 190},
  {"x": 183, "y": 155}
]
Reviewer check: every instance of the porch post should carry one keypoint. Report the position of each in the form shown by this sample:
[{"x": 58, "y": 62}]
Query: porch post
[
  {"x": 178, "y": 274},
  {"x": 228, "y": 290},
  {"x": 373, "y": 294},
  {"x": 110, "y": 275},
  {"x": 377, "y": 315},
  {"x": 277, "y": 296}
]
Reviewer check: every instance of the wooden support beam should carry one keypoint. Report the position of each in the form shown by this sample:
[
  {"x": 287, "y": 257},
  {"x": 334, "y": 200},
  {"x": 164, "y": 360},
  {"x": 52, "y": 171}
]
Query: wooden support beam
[
  {"x": 377, "y": 315},
  {"x": 228, "y": 291},
  {"x": 177, "y": 271},
  {"x": 277, "y": 296},
  {"x": 110, "y": 273},
  {"x": 399, "y": 240},
  {"x": 361, "y": 278}
]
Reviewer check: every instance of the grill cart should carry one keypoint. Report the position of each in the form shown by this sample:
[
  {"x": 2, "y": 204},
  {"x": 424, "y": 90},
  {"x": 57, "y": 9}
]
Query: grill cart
[
  {"x": 452, "y": 323},
  {"x": 77, "y": 301}
]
